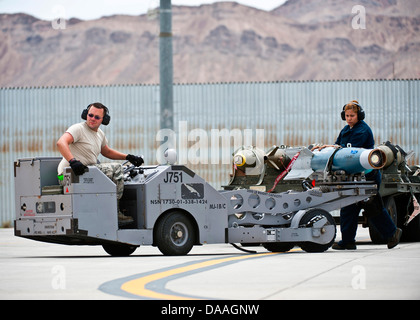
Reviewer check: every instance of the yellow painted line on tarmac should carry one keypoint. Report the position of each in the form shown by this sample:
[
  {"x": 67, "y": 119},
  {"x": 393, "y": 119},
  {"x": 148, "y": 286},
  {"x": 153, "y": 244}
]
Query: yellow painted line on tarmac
[{"x": 138, "y": 286}]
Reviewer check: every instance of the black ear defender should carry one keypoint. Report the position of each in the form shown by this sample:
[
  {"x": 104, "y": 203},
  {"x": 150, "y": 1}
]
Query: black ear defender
[
  {"x": 360, "y": 112},
  {"x": 105, "y": 120}
]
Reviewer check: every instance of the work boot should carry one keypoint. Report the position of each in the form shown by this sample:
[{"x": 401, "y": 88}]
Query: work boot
[
  {"x": 395, "y": 239},
  {"x": 341, "y": 246},
  {"x": 122, "y": 219}
]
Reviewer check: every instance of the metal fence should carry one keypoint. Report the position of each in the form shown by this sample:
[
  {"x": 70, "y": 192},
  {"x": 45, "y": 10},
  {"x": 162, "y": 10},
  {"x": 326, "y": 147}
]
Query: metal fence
[{"x": 211, "y": 120}]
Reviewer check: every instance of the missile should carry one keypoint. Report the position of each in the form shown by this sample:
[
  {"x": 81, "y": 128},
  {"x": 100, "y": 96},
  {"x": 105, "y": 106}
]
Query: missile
[
  {"x": 245, "y": 158},
  {"x": 350, "y": 160},
  {"x": 249, "y": 160},
  {"x": 300, "y": 162}
]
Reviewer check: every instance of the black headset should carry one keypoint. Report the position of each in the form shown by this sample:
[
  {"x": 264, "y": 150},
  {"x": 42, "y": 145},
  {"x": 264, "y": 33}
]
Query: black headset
[
  {"x": 105, "y": 120},
  {"x": 360, "y": 112}
]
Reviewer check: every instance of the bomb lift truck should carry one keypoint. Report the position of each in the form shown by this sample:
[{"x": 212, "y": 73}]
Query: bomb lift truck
[{"x": 174, "y": 209}]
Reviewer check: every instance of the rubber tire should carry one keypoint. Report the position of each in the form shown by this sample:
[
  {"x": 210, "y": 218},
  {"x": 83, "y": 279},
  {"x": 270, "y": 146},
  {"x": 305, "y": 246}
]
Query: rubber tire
[
  {"x": 311, "y": 246},
  {"x": 119, "y": 249},
  {"x": 279, "y": 246},
  {"x": 411, "y": 233},
  {"x": 174, "y": 234}
]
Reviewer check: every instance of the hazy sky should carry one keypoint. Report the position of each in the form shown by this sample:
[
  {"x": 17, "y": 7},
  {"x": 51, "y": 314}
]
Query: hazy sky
[{"x": 93, "y": 9}]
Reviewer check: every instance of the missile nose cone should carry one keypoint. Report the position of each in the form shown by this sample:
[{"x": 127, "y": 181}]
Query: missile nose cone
[
  {"x": 377, "y": 159},
  {"x": 245, "y": 158},
  {"x": 239, "y": 160},
  {"x": 248, "y": 160},
  {"x": 373, "y": 159}
]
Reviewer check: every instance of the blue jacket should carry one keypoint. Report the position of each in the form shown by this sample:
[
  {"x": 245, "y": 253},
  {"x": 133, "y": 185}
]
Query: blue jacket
[{"x": 360, "y": 136}]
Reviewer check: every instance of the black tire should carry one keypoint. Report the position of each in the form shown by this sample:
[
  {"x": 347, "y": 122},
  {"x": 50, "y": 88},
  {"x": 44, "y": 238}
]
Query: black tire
[
  {"x": 391, "y": 207},
  {"x": 411, "y": 232},
  {"x": 306, "y": 222},
  {"x": 278, "y": 246},
  {"x": 175, "y": 234},
  {"x": 119, "y": 249}
]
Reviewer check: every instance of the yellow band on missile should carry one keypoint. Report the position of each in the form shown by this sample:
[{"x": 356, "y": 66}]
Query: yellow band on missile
[{"x": 240, "y": 160}]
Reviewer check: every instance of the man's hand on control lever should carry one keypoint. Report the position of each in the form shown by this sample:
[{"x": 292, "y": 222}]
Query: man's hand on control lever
[
  {"x": 77, "y": 167},
  {"x": 136, "y": 160}
]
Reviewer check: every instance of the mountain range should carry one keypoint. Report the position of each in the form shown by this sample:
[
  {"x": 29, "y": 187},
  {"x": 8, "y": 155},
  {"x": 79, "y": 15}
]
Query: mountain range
[{"x": 221, "y": 42}]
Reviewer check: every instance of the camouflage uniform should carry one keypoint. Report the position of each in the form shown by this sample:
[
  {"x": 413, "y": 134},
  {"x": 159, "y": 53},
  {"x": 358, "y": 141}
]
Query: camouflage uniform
[{"x": 115, "y": 173}]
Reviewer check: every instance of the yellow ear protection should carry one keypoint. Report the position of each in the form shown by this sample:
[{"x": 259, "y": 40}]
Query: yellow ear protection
[
  {"x": 360, "y": 112},
  {"x": 105, "y": 120}
]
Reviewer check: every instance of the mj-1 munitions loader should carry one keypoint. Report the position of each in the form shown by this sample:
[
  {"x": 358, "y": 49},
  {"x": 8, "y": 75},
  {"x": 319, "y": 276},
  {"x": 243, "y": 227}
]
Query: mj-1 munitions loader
[{"x": 173, "y": 208}]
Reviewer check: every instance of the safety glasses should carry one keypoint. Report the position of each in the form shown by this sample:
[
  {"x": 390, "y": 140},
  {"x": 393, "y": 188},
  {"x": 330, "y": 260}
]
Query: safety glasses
[{"x": 91, "y": 115}]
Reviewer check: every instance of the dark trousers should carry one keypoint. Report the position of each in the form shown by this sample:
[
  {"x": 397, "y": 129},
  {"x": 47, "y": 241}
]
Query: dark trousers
[{"x": 349, "y": 217}]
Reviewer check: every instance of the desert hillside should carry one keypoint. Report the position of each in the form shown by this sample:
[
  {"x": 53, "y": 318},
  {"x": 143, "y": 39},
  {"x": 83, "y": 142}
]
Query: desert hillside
[{"x": 222, "y": 42}]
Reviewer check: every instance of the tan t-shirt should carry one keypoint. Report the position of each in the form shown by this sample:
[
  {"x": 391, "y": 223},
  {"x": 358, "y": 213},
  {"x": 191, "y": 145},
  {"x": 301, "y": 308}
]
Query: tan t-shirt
[{"x": 86, "y": 146}]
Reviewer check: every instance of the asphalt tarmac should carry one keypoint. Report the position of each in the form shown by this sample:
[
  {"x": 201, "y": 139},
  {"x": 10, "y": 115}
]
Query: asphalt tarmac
[{"x": 36, "y": 270}]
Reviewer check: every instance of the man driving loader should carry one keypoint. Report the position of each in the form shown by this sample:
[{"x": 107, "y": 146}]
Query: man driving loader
[{"x": 82, "y": 143}]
